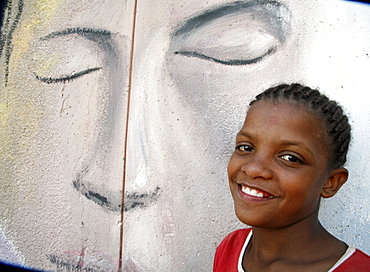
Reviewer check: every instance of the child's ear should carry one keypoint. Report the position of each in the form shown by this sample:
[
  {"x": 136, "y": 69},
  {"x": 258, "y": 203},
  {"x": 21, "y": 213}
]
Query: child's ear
[{"x": 336, "y": 179}]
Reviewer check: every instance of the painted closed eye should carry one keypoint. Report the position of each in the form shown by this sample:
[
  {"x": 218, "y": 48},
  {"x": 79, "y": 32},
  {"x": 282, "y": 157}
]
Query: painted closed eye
[
  {"x": 68, "y": 77},
  {"x": 239, "y": 33},
  {"x": 70, "y": 54}
]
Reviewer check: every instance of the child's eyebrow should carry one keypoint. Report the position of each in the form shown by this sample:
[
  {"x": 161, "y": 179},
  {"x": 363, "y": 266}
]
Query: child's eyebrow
[
  {"x": 296, "y": 143},
  {"x": 244, "y": 134}
]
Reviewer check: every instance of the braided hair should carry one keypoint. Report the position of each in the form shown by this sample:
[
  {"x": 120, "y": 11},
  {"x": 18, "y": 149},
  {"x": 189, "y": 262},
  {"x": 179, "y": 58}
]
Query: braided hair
[{"x": 328, "y": 111}]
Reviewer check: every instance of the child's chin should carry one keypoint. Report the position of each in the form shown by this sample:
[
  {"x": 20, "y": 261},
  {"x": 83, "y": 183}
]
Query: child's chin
[
  {"x": 255, "y": 221},
  {"x": 247, "y": 219}
]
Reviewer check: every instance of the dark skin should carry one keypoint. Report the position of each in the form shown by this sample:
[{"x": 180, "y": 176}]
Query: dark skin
[
  {"x": 278, "y": 174},
  {"x": 293, "y": 249}
]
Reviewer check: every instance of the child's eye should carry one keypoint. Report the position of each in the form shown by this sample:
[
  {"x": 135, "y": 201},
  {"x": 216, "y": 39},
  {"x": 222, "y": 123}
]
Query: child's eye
[
  {"x": 291, "y": 158},
  {"x": 244, "y": 148}
]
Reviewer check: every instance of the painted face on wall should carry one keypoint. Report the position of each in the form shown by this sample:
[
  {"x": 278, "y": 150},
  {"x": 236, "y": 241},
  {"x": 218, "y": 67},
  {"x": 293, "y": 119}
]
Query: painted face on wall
[{"x": 63, "y": 104}]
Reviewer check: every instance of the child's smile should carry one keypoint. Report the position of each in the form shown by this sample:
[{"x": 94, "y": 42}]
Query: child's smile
[
  {"x": 279, "y": 166},
  {"x": 255, "y": 192}
]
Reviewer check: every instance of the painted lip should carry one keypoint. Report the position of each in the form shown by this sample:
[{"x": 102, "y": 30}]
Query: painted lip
[
  {"x": 254, "y": 193},
  {"x": 81, "y": 261}
]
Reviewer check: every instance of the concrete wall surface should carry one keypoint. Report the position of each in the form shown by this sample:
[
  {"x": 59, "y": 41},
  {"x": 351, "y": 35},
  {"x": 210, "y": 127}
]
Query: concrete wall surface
[{"x": 118, "y": 118}]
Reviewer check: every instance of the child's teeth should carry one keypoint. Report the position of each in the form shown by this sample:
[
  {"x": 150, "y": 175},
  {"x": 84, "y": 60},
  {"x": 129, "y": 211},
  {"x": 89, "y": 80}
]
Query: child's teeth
[{"x": 253, "y": 192}]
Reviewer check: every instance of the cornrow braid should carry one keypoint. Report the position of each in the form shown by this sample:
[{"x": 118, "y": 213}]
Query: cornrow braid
[{"x": 333, "y": 118}]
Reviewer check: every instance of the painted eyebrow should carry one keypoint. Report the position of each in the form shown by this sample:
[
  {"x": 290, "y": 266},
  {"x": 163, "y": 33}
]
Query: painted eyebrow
[
  {"x": 79, "y": 30},
  {"x": 218, "y": 12}
]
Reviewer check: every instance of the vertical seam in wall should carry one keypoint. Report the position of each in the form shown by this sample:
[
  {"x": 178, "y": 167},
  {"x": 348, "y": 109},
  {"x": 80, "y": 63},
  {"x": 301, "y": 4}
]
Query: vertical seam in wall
[{"x": 126, "y": 134}]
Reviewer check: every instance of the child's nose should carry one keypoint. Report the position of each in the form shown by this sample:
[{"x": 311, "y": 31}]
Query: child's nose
[{"x": 257, "y": 167}]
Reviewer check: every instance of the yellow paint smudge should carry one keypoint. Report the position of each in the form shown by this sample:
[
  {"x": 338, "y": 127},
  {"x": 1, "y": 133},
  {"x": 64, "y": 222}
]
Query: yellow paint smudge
[
  {"x": 47, "y": 63},
  {"x": 37, "y": 15},
  {"x": 4, "y": 113},
  {"x": 20, "y": 112}
]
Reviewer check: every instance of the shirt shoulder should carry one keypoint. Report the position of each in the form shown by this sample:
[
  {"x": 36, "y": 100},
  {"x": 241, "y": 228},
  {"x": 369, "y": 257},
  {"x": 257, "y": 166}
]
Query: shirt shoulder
[
  {"x": 358, "y": 261},
  {"x": 235, "y": 238},
  {"x": 228, "y": 251}
]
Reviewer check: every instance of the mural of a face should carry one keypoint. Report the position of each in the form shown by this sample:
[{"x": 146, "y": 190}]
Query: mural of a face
[
  {"x": 203, "y": 63},
  {"x": 196, "y": 65},
  {"x": 63, "y": 104}
]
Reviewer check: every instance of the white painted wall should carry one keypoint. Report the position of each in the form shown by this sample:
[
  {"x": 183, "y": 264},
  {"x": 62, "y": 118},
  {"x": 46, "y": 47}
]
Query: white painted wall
[{"x": 183, "y": 116}]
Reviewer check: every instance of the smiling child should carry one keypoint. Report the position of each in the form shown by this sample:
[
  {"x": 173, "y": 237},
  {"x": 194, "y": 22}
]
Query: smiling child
[{"x": 289, "y": 153}]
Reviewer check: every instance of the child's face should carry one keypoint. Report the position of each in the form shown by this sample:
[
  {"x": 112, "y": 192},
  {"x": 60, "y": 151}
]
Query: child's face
[{"x": 279, "y": 166}]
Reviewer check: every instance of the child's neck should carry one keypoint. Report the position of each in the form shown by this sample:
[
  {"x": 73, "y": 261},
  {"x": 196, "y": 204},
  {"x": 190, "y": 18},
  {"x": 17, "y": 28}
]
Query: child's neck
[{"x": 304, "y": 245}]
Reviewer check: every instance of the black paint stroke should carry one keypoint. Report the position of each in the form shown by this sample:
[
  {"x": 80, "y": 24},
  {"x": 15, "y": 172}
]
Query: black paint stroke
[
  {"x": 66, "y": 264},
  {"x": 4, "y": 25},
  {"x": 112, "y": 202},
  {"x": 90, "y": 33},
  {"x": 3, "y": 7},
  {"x": 69, "y": 262},
  {"x": 67, "y": 78},
  {"x": 227, "y": 62},
  {"x": 87, "y": 190},
  {"x": 6, "y": 37},
  {"x": 140, "y": 200}
]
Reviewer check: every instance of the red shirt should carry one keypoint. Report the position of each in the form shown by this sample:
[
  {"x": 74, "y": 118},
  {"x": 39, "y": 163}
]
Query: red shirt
[{"x": 228, "y": 257}]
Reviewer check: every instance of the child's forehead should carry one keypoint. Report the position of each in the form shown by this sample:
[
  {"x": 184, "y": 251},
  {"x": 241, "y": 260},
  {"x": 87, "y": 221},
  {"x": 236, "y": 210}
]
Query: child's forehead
[
  {"x": 279, "y": 112},
  {"x": 284, "y": 122},
  {"x": 292, "y": 116},
  {"x": 276, "y": 106}
]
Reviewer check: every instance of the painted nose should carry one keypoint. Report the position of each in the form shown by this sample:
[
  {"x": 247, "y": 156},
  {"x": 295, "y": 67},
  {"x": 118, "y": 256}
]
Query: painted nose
[{"x": 257, "y": 168}]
